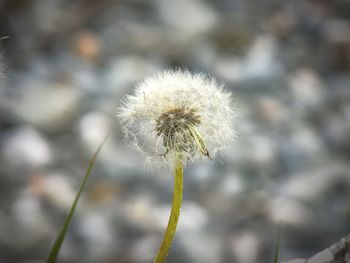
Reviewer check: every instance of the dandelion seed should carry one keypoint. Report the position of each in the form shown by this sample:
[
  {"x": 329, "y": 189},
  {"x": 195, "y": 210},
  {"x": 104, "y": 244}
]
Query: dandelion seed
[{"x": 176, "y": 117}]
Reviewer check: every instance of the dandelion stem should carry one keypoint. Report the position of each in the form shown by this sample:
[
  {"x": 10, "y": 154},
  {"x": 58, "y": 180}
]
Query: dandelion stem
[{"x": 174, "y": 215}]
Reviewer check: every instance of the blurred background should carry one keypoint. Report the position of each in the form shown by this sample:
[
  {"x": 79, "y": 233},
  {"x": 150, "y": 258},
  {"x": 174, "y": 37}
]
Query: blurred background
[{"x": 69, "y": 63}]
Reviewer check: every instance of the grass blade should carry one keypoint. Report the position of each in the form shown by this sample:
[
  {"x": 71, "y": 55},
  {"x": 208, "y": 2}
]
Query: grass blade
[
  {"x": 59, "y": 240},
  {"x": 277, "y": 249}
]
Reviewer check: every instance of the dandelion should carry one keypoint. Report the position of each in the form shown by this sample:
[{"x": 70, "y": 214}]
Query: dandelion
[{"x": 174, "y": 118}]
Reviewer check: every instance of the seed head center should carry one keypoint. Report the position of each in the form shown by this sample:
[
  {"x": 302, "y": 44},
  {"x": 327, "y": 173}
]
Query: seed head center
[{"x": 176, "y": 120}]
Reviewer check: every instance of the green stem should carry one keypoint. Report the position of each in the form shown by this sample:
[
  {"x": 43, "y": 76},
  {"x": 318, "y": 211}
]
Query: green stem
[{"x": 174, "y": 215}]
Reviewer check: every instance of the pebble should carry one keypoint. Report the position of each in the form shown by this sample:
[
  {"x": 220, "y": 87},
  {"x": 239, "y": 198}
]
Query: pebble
[
  {"x": 200, "y": 246},
  {"x": 307, "y": 88},
  {"x": 54, "y": 187},
  {"x": 25, "y": 147},
  {"x": 30, "y": 223},
  {"x": 48, "y": 106},
  {"x": 246, "y": 247},
  {"x": 312, "y": 186},
  {"x": 99, "y": 236},
  {"x": 196, "y": 16},
  {"x": 289, "y": 212}
]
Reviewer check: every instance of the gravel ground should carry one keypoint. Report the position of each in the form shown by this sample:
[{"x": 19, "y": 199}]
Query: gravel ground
[{"x": 68, "y": 65}]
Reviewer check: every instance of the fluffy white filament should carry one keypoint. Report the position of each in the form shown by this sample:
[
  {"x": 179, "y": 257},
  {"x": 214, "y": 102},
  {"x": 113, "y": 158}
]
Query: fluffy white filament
[{"x": 176, "y": 113}]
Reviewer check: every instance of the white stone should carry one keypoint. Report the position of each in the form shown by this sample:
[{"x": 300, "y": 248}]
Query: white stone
[
  {"x": 261, "y": 60},
  {"x": 312, "y": 185},
  {"x": 97, "y": 230},
  {"x": 188, "y": 16},
  {"x": 288, "y": 211},
  {"x": 26, "y": 147},
  {"x": 246, "y": 247},
  {"x": 46, "y": 105},
  {"x": 201, "y": 246},
  {"x": 306, "y": 87},
  {"x": 55, "y": 187},
  {"x": 29, "y": 224},
  {"x": 93, "y": 127}
]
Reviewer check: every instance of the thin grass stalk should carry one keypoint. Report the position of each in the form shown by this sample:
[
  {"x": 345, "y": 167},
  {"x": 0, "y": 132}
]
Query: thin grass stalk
[{"x": 59, "y": 240}]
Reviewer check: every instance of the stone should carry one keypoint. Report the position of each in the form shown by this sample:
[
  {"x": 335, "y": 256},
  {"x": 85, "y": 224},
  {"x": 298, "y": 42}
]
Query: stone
[
  {"x": 289, "y": 212},
  {"x": 29, "y": 224},
  {"x": 55, "y": 187},
  {"x": 261, "y": 60},
  {"x": 48, "y": 106},
  {"x": 124, "y": 72},
  {"x": 196, "y": 16},
  {"x": 96, "y": 229},
  {"x": 307, "y": 88},
  {"x": 199, "y": 246},
  {"x": 92, "y": 128},
  {"x": 26, "y": 147},
  {"x": 311, "y": 186},
  {"x": 246, "y": 247}
]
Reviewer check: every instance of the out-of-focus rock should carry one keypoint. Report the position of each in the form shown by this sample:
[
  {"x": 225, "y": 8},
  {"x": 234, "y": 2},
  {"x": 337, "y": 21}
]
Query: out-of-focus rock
[
  {"x": 307, "y": 88},
  {"x": 56, "y": 188},
  {"x": 271, "y": 110},
  {"x": 312, "y": 186},
  {"x": 261, "y": 60},
  {"x": 96, "y": 229},
  {"x": 141, "y": 212},
  {"x": 196, "y": 16},
  {"x": 337, "y": 253},
  {"x": 49, "y": 106},
  {"x": 123, "y": 72},
  {"x": 29, "y": 222},
  {"x": 263, "y": 153},
  {"x": 231, "y": 185},
  {"x": 93, "y": 127},
  {"x": 144, "y": 249},
  {"x": 200, "y": 246},
  {"x": 301, "y": 149},
  {"x": 25, "y": 147},
  {"x": 245, "y": 247},
  {"x": 87, "y": 45},
  {"x": 259, "y": 63},
  {"x": 289, "y": 211}
]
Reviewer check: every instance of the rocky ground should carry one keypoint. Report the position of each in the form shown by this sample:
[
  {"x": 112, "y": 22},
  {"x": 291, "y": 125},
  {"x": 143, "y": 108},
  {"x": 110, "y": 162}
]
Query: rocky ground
[{"x": 69, "y": 63}]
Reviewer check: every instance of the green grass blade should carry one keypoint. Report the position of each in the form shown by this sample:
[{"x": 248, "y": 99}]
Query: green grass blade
[
  {"x": 59, "y": 240},
  {"x": 277, "y": 249}
]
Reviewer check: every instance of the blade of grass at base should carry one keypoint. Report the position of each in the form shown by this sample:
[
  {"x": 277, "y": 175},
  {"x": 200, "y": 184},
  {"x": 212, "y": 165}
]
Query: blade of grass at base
[
  {"x": 277, "y": 250},
  {"x": 59, "y": 240}
]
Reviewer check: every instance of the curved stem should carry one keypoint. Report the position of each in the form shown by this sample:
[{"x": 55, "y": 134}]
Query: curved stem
[{"x": 174, "y": 215}]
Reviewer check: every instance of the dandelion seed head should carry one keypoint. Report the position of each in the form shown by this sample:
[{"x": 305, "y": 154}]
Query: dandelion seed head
[{"x": 176, "y": 113}]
